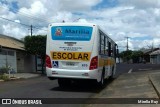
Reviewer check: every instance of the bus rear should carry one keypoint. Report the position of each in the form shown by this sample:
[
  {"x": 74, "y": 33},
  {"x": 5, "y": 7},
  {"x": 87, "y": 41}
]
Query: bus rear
[{"x": 72, "y": 52}]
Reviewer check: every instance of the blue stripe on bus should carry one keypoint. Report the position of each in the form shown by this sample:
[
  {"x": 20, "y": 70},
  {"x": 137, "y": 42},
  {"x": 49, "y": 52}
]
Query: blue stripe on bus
[{"x": 72, "y": 33}]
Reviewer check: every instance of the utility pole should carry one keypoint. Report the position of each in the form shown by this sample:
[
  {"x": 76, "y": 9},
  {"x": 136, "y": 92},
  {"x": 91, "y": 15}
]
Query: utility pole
[
  {"x": 127, "y": 43},
  {"x": 127, "y": 49},
  {"x": 31, "y": 29}
]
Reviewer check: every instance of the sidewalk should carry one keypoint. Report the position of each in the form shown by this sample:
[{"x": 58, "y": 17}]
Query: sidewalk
[
  {"x": 132, "y": 85},
  {"x": 155, "y": 80},
  {"x": 24, "y": 75},
  {"x": 18, "y": 76}
]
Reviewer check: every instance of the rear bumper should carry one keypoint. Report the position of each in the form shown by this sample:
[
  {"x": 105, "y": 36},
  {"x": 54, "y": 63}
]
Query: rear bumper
[{"x": 73, "y": 74}]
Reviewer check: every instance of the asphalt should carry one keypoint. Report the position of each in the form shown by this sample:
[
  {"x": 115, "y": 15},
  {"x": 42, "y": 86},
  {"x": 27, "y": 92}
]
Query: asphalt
[
  {"x": 140, "y": 85},
  {"x": 154, "y": 77}
]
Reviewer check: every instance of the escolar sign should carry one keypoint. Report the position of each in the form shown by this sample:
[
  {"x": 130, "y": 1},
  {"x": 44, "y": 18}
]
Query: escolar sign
[{"x": 84, "y": 56}]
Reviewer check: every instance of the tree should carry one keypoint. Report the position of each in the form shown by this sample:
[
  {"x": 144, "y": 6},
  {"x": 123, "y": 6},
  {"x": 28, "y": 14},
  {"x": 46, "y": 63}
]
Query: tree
[
  {"x": 126, "y": 55},
  {"x": 136, "y": 55},
  {"x": 36, "y": 45}
]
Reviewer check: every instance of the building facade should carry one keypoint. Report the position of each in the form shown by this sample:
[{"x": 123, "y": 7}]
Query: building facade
[
  {"x": 155, "y": 57},
  {"x": 13, "y": 55}
]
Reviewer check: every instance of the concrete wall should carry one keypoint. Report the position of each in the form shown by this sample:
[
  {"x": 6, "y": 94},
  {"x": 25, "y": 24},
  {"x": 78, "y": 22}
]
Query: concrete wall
[
  {"x": 25, "y": 62},
  {"x": 20, "y": 61},
  {"x": 29, "y": 63}
]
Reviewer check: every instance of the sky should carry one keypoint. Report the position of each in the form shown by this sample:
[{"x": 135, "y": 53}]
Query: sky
[{"x": 137, "y": 19}]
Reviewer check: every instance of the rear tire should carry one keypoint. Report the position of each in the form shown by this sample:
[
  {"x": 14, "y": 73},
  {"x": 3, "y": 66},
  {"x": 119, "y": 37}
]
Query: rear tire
[
  {"x": 102, "y": 82},
  {"x": 64, "y": 82},
  {"x": 51, "y": 78}
]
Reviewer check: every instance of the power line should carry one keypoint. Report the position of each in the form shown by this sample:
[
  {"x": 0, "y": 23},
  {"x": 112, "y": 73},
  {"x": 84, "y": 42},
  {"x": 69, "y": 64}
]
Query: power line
[
  {"x": 29, "y": 15},
  {"x": 21, "y": 23},
  {"x": 14, "y": 21}
]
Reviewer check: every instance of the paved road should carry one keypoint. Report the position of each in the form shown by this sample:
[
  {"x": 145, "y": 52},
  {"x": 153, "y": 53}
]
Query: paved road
[
  {"x": 124, "y": 68},
  {"x": 42, "y": 87}
]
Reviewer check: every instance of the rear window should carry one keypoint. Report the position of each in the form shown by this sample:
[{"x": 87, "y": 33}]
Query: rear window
[{"x": 71, "y": 33}]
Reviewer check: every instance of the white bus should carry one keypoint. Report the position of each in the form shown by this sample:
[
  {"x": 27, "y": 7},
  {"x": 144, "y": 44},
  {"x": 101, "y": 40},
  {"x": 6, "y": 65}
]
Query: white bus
[{"x": 79, "y": 51}]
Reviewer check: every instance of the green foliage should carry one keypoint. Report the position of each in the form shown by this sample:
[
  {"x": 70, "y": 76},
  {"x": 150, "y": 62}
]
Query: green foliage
[
  {"x": 36, "y": 45},
  {"x": 3, "y": 70},
  {"x": 126, "y": 55},
  {"x": 4, "y": 77},
  {"x": 137, "y": 54},
  {"x": 134, "y": 55}
]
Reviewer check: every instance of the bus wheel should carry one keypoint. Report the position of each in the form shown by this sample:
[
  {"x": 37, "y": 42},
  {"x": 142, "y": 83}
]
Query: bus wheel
[
  {"x": 102, "y": 82},
  {"x": 112, "y": 76},
  {"x": 64, "y": 82}
]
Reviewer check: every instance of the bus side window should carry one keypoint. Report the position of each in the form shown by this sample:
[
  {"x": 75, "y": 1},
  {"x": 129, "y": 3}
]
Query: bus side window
[
  {"x": 99, "y": 42},
  {"x": 106, "y": 46},
  {"x": 102, "y": 44},
  {"x": 109, "y": 49},
  {"x": 116, "y": 50}
]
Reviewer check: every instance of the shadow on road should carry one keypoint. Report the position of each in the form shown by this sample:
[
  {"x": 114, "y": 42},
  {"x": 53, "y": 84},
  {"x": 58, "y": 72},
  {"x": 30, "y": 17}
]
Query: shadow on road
[{"x": 83, "y": 86}]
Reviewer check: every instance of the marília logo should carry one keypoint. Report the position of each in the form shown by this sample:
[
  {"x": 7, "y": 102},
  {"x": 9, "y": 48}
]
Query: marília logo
[{"x": 58, "y": 31}]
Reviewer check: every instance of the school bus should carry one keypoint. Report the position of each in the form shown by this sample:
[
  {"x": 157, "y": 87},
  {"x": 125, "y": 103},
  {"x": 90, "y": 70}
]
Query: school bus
[{"x": 79, "y": 51}]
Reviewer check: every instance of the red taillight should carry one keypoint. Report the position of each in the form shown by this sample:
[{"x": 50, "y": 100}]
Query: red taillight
[
  {"x": 94, "y": 63},
  {"x": 48, "y": 62}
]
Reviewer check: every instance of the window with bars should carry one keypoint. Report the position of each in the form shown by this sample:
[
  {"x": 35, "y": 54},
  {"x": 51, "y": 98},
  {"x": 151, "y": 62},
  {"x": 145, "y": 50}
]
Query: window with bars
[
  {"x": 11, "y": 53},
  {"x": 3, "y": 52},
  {"x": 7, "y": 52}
]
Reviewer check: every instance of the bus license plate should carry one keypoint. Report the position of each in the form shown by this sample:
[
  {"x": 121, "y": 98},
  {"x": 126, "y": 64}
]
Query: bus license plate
[{"x": 70, "y": 63}]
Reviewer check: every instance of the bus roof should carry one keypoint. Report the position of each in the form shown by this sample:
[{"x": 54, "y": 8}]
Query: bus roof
[
  {"x": 73, "y": 23},
  {"x": 80, "y": 24}
]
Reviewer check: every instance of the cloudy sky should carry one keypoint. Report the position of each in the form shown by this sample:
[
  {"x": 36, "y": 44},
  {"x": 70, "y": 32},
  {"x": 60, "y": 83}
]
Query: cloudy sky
[{"x": 137, "y": 19}]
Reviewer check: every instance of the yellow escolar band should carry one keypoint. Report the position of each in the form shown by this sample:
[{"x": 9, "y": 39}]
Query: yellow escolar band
[{"x": 84, "y": 56}]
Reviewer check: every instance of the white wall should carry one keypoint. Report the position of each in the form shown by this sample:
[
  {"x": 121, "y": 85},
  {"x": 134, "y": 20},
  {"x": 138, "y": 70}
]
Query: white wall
[
  {"x": 8, "y": 57},
  {"x": 155, "y": 59}
]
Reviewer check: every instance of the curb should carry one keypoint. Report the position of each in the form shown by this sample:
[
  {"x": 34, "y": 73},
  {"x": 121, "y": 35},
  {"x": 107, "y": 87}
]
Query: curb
[
  {"x": 1, "y": 80},
  {"x": 19, "y": 78},
  {"x": 154, "y": 84}
]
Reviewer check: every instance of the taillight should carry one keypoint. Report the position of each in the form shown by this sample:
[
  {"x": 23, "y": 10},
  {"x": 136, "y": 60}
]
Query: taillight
[
  {"x": 94, "y": 63},
  {"x": 48, "y": 62}
]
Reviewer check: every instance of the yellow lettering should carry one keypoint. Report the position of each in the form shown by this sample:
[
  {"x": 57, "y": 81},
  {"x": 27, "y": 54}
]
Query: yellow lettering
[
  {"x": 70, "y": 55},
  {"x": 80, "y": 56},
  {"x": 84, "y": 56},
  {"x": 64, "y": 55},
  {"x": 54, "y": 55},
  {"x": 58, "y": 55}
]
